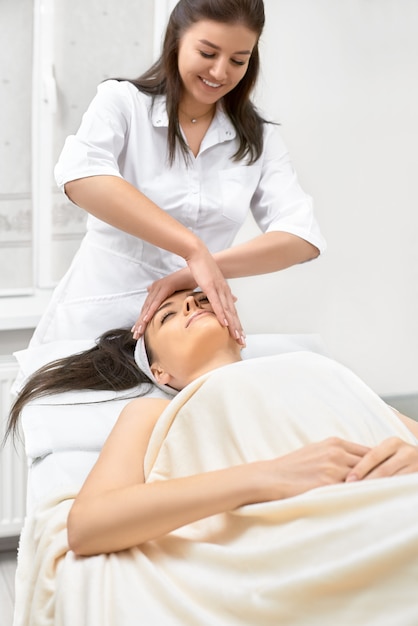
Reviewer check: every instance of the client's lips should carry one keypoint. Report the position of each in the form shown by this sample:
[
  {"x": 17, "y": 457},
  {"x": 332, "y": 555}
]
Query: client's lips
[{"x": 195, "y": 315}]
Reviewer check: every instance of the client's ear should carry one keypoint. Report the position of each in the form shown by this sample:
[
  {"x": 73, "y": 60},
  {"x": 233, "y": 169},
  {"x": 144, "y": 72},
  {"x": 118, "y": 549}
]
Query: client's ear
[{"x": 161, "y": 376}]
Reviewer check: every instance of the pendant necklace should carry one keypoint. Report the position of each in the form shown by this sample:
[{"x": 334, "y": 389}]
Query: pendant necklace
[{"x": 195, "y": 119}]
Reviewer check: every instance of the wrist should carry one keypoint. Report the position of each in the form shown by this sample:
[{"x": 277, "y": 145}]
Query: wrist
[
  {"x": 258, "y": 483},
  {"x": 194, "y": 248},
  {"x": 183, "y": 279}
]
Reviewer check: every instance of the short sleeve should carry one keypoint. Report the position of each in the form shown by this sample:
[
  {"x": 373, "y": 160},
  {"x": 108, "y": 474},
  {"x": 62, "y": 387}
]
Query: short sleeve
[
  {"x": 279, "y": 203},
  {"x": 98, "y": 144}
]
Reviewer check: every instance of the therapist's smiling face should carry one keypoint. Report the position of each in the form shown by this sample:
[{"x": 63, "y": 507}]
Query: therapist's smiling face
[
  {"x": 213, "y": 57},
  {"x": 185, "y": 335}
]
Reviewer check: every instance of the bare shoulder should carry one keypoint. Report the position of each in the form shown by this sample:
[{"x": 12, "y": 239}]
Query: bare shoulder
[
  {"x": 134, "y": 426},
  {"x": 139, "y": 417},
  {"x": 147, "y": 403},
  {"x": 120, "y": 462},
  {"x": 150, "y": 408}
]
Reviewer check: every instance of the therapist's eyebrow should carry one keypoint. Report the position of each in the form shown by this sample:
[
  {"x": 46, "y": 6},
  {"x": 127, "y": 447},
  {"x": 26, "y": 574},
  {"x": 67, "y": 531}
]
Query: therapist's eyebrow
[{"x": 215, "y": 47}]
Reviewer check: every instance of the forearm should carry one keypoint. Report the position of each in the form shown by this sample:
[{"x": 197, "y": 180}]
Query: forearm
[
  {"x": 123, "y": 518},
  {"x": 266, "y": 253},
  {"x": 117, "y": 202},
  {"x": 128, "y": 516}
]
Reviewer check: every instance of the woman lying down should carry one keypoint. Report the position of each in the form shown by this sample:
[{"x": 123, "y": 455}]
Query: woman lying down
[{"x": 276, "y": 490}]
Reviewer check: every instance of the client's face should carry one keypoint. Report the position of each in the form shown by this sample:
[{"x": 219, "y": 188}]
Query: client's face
[{"x": 184, "y": 336}]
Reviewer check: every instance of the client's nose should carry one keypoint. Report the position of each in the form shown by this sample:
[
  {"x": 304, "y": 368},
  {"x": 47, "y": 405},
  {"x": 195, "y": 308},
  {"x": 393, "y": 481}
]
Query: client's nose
[{"x": 189, "y": 305}]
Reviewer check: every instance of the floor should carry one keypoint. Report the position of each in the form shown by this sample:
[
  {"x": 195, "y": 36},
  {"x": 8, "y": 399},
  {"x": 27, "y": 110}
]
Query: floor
[{"x": 7, "y": 574}]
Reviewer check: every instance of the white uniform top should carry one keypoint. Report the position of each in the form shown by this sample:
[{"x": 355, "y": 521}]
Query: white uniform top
[{"x": 123, "y": 135}]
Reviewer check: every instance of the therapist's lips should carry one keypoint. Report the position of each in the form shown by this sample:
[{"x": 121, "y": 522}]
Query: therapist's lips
[{"x": 197, "y": 314}]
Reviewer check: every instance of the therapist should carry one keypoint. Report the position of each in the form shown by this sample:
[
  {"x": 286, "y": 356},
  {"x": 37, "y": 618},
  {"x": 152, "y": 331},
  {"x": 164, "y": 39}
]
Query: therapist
[{"x": 168, "y": 167}]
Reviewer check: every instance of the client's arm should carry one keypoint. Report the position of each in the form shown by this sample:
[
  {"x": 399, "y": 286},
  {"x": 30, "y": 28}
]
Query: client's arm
[{"x": 116, "y": 509}]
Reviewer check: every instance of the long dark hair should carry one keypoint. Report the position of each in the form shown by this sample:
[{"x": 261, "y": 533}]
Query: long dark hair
[
  {"x": 163, "y": 77},
  {"x": 109, "y": 365}
]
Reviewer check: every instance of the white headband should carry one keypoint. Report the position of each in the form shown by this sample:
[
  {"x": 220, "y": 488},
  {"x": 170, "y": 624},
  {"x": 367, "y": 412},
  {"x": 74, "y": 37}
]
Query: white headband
[{"x": 141, "y": 359}]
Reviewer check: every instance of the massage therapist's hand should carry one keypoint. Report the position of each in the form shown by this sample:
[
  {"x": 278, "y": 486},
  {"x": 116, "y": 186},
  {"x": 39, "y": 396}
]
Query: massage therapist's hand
[
  {"x": 317, "y": 464},
  {"x": 204, "y": 272},
  {"x": 392, "y": 457},
  {"x": 158, "y": 291}
]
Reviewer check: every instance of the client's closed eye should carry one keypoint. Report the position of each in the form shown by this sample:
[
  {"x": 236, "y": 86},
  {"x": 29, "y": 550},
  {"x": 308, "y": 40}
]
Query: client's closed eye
[
  {"x": 165, "y": 316},
  {"x": 204, "y": 303}
]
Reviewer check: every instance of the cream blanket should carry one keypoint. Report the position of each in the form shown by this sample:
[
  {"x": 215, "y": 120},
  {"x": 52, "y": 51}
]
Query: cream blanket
[{"x": 345, "y": 554}]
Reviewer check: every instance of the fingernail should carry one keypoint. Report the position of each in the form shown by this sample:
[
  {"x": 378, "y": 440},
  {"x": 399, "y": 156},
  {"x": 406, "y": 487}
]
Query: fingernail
[
  {"x": 145, "y": 318},
  {"x": 351, "y": 478},
  {"x": 237, "y": 335},
  {"x": 140, "y": 329},
  {"x": 243, "y": 340},
  {"x": 226, "y": 322}
]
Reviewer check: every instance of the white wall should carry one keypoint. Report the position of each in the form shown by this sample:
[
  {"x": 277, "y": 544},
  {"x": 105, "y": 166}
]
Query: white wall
[{"x": 341, "y": 78}]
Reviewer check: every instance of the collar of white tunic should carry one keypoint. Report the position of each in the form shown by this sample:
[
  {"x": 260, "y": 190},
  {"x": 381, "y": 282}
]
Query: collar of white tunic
[{"x": 220, "y": 123}]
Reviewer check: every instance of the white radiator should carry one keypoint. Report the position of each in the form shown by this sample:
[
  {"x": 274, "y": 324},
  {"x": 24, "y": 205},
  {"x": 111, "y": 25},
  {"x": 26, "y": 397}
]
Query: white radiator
[{"x": 13, "y": 466}]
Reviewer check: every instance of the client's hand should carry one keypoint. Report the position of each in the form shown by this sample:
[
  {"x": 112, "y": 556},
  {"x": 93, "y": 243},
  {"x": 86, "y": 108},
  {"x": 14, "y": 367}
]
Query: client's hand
[
  {"x": 317, "y": 464},
  {"x": 392, "y": 457}
]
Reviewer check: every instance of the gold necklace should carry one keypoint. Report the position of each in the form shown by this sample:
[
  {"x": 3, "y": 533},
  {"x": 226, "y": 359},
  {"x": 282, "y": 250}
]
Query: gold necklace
[{"x": 193, "y": 120}]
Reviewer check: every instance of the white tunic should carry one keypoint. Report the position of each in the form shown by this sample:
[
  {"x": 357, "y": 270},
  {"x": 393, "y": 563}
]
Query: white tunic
[{"x": 123, "y": 135}]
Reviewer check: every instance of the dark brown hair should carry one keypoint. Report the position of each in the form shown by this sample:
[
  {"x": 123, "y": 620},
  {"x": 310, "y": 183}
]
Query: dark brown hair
[
  {"x": 163, "y": 77},
  {"x": 109, "y": 365}
]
